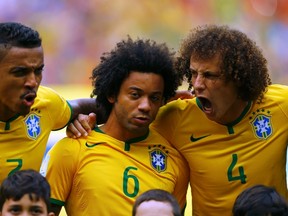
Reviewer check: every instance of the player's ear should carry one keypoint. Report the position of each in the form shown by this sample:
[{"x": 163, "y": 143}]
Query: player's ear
[
  {"x": 50, "y": 214},
  {"x": 111, "y": 99}
]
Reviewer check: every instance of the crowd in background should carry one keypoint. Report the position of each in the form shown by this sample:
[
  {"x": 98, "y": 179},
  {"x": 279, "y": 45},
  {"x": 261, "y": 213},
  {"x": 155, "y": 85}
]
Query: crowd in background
[{"x": 75, "y": 33}]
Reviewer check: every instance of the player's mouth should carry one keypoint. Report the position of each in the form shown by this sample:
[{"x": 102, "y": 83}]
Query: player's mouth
[
  {"x": 142, "y": 120},
  {"x": 206, "y": 105},
  {"x": 28, "y": 98}
]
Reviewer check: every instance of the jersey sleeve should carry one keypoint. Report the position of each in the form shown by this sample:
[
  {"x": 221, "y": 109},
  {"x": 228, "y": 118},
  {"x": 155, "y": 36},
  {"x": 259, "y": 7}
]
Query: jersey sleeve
[
  {"x": 280, "y": 91},
  {"x": 59, "y": 167},
  {"x": 166, "y": 123},
  {"x": 168, "y": 118},
  {"x": 60, "y": 111},
  {"x": 181, "y": 186}
]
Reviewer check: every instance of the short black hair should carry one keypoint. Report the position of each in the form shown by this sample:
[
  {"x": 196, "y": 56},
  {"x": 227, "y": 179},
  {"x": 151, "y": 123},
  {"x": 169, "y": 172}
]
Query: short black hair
[
  {"x": 160, "y": 196},
  {"x": 13, "y": 34},
  {"x": 260, "y": 200},
  {"x": 23, "y": 182},
  {"x": 19, "y": 35}
]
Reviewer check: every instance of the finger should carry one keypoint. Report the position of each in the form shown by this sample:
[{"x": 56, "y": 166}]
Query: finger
[
  {"x": 72, "y": 132},
  {"x": 83, "y": 125},
  {"x": 92, "y": 120},
  {"x": 78, "y": 128},
  {"x": 185, "y": 94}
]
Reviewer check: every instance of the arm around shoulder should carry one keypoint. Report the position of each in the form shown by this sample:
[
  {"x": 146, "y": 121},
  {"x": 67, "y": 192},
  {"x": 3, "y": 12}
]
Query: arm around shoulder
[{"x": 83, "y": 106}]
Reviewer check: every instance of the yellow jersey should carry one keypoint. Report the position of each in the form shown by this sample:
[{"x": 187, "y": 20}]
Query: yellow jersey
[
  {"x": 226, "y": 159},
  {"x": 23, "y": 139},
  {"x": 103, "y": 176}
]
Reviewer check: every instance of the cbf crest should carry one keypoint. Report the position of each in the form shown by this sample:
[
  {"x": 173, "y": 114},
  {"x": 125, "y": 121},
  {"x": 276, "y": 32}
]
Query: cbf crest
[
  {"x": 32, "y": 123},
  {"x": 262, "y": 126},
  {"x": 158, "y": 160}
]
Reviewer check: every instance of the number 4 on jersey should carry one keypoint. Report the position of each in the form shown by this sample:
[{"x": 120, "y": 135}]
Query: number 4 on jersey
[{"x": 242, "y": 177}]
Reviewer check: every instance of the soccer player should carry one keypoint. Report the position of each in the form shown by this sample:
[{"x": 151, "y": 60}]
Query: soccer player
[
  {"x": 25, "y": 192},
  {"x": 105, "y": 172},
  {"x": 156, "y": 202},
  {"x": 28, "y": 111},
  {"x": 234, "y": 133}
]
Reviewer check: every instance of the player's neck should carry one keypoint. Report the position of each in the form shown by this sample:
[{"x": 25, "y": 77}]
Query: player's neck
[
  {"x": 236, "y": 111},
  {"x": 120, "y": 132},
  {"x": 7, "y": 115}
]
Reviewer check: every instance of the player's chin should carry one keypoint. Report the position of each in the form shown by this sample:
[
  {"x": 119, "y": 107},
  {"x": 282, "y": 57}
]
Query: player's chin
[
  {"x": 24, "y": 110},
  {"x": 141, "y": 130}
]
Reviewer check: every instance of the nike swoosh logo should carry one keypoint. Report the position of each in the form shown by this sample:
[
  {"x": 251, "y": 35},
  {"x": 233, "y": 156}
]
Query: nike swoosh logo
[
  {"x": 90, "y": 145},
  {"x": 194, "y": 139}
]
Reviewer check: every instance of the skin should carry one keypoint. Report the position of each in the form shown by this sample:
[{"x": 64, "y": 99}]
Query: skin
[
  {"x": 135, "y": 107},
  {"x": 154, "y": 208},
  {"x": 224, "y": 106},
  {"x": 83, "y": 124},
  {"x": 20, "y": 75},
  {"x": 25, "y": 207}
]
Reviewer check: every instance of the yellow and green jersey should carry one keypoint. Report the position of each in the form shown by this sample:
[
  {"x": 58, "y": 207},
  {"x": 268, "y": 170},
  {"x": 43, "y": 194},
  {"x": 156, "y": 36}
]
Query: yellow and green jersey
[
  {"x": 23, "y": 139},
  {"x": 226, "y": 159},
  {"x": 101, "y": 175}
]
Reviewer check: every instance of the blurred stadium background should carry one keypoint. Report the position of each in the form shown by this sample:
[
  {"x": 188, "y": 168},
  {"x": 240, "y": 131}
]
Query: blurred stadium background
[{"x": 75, "y": 33}]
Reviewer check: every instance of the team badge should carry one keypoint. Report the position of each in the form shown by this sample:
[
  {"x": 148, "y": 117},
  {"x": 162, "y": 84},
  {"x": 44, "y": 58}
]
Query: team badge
[
  {"x": 262, "y": 126},
  {"x": 158, "y": 160},
  {"x": 33, "y": 126}
]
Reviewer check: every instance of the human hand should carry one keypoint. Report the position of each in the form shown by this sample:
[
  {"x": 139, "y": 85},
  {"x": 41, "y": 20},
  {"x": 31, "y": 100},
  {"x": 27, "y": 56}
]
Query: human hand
[
  {"x": 182, "y": 94},
  {"x": 81, "y": 126}
]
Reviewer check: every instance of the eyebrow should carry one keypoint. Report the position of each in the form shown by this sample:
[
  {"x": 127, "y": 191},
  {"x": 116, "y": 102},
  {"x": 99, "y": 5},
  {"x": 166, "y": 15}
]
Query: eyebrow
[{"x": 141, "y": 90}]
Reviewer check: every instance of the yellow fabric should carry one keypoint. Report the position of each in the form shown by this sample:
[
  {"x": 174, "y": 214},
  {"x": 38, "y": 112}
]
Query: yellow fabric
[
  {"x": 224, "y": 160},
  {"x": 23, "y": 140},
  {"x": 97, "y": 176}
]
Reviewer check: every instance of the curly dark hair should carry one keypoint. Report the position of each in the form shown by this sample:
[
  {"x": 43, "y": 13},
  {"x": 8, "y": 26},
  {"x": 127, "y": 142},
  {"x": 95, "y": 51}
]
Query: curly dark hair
[
  {"x": 242, "y": 60},
  {"x": 140, "y": 55}
]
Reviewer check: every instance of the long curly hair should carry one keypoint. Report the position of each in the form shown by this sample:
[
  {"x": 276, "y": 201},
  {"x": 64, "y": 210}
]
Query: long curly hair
[
  {"x": 242, "y": 61},
  {"x": 140, "y": 55}
]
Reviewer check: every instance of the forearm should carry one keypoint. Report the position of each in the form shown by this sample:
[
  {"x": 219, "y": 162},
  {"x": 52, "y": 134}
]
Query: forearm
[{"x": 83, "y": 106}]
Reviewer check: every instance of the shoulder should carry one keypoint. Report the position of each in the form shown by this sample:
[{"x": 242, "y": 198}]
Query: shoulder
[
  {"x": 49, "y": 97},
  {"x": 277, "y": 88},
  {"x": 177, "y": 106},
  {"x": 156, "y": 137},
  {"x": 276, "y": 92},
  {"x": 67, "y": 146},
  {"x": 180, "y": 104},
  {"x": 63, "y": 155},
  {"x": 44, "y": 90},
  {"x": 58, "y": 108}
]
